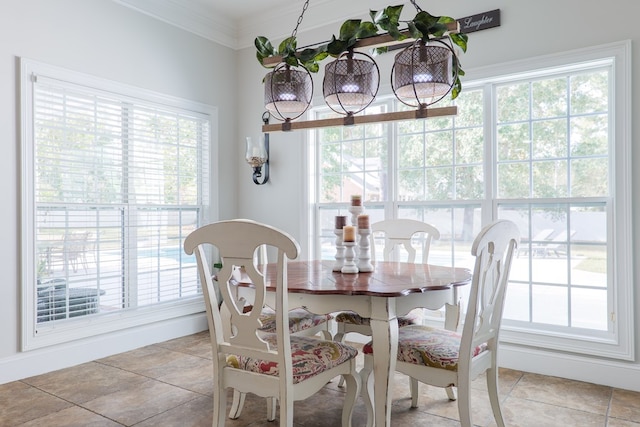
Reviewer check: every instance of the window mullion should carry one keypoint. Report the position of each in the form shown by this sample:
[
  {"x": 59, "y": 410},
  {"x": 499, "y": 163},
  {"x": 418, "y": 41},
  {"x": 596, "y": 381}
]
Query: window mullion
[{"x": 391, "y": 208}]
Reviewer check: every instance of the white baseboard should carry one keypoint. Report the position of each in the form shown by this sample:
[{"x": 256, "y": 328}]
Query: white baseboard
[
  {"x": 623, "y": 375},
  {"x": 40, "y": 361}
]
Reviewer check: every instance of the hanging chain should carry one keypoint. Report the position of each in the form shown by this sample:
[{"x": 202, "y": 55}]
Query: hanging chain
[
  {"x": 413, "y": 2},
  {"x": 304, "y": 9}
]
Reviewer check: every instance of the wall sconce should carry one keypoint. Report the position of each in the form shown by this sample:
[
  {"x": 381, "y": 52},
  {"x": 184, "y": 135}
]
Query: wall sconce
[{"x": 257, "y": 154}]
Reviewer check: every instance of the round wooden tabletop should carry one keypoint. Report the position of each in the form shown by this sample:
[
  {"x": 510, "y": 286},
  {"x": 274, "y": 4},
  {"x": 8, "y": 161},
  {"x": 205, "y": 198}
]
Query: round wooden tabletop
[{"x": 387, "y": 279}]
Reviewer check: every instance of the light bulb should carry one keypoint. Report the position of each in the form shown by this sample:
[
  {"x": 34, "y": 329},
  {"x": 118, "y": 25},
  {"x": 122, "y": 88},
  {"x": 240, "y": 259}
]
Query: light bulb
[{"x": 350, "y": 88}]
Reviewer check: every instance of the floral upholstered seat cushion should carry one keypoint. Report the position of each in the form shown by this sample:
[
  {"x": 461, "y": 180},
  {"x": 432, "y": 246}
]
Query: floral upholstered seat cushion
[
  {"x": 424, "y": 345},
  {"x": 414, "y": 317},
  {"x": 300, "y": 319},
  {"x": 310, "y": 357}
]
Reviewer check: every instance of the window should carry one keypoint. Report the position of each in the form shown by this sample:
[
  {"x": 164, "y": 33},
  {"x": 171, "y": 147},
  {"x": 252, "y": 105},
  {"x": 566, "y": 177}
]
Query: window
[
  {"x": 547, "y": 146},
  {"x": 114, "y": 179}
]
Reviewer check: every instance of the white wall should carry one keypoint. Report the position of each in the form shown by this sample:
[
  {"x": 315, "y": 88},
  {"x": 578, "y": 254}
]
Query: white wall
[
  {"x": 528, "y": 29},
  {"x": 104, "y": 39}
]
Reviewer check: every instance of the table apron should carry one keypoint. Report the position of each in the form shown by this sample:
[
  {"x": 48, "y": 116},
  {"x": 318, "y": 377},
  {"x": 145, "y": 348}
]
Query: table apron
[
  {"x": 361, "y": 304},
  {"x": 364, "y": 305},
  {"x": 432, "y": 300}
]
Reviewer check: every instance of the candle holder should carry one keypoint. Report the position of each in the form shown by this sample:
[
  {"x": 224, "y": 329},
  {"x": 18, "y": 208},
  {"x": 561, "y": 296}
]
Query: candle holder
[
  {"x": 364, "y": 257},
  {"x": 355, "y": 211},
  {"x": 339, "y": 250},
  {"x": 349, "y": 265}
]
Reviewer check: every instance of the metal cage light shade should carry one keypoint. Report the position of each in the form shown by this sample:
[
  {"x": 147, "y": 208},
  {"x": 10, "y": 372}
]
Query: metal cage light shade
[
  {"x": 350, "y": 84},
  {"x": 422, "y": 73},
  {"x": 287, "y": 92}
]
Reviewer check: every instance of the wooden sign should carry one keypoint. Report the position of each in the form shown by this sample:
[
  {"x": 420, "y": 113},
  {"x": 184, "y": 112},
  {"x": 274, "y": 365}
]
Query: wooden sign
[{"x": 481, "y": 21}]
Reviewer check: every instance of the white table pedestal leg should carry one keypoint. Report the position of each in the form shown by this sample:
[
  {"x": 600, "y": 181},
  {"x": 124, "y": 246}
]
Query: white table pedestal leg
[{"x": 384, "y": 329}]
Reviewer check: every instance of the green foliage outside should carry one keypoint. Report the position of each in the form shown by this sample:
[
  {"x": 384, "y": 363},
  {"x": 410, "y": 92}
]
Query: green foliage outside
[{"x": 552, "y": 139}]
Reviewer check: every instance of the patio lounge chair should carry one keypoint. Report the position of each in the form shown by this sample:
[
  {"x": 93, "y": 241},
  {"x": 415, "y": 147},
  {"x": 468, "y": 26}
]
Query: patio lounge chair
[{"x": 555, "y": 246}]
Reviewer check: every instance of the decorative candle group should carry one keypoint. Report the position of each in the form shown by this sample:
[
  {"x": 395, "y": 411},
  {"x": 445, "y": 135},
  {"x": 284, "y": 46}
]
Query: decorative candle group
[{"x": 352, "y": 241}]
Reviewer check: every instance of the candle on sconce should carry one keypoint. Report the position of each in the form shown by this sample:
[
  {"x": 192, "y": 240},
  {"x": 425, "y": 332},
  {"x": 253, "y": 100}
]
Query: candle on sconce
[
  {"x": 348, "y": 233},
  {"x": 356, "y": 200},
  {"x": 341, "y": 221},
  {"x": 363, "y": 221}
]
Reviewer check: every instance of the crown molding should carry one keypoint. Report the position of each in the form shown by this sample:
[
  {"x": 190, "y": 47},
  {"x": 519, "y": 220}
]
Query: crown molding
[
  {"x": 275, "y": 23},
  {"x": 190, "y": 17}
]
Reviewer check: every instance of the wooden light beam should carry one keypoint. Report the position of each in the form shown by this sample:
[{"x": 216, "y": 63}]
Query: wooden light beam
[{"x": 421, "y": 113}]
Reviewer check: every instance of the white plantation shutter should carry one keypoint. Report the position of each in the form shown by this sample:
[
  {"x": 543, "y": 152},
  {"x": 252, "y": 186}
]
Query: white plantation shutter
[{"x": 119, "y": 178}]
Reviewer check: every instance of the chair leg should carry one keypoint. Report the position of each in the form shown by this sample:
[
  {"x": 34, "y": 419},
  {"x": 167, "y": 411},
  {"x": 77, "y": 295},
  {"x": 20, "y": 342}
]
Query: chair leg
[
  {"x": 494, "y": 398},
  {"x": 464, "y": 403},
  {"x": 219, "y": 408},
  {"x": 286, "y": 411},
  {"x": 339, "y": 337},
  {"x": 451, "y": 393},
  {"x": 353, "y": 390},
  {"x": 413, "y": 386},
  {"x": 451, "y": 322},
  {"x": 271, "y": 408},
  {"x": 366, "y": 381},
  {"x": 237, "y": 404}
]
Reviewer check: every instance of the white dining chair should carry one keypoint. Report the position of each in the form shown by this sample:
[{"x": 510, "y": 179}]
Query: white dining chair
[
  {"x": 398, "y": 233},
  {"x": 273, "y": 365},
  {"x": 302, "y": 322},
  {"x": 444, "y": 358}
]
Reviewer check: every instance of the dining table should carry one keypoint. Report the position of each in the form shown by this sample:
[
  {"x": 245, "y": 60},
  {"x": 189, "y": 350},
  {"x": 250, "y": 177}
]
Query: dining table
[{"x": 392, "y": 289}]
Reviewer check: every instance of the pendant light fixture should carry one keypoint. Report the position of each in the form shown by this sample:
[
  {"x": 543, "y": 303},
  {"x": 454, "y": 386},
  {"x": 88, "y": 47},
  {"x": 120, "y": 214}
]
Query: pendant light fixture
[
  {"x": 351, "y": 83},
  {"x": 287, "y": 92},
  {"x": 422, "y": 73},
  {"x": 288, "y": 89}
]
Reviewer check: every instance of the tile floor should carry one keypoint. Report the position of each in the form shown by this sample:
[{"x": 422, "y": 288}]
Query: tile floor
[{"x": 169, "y": 384}]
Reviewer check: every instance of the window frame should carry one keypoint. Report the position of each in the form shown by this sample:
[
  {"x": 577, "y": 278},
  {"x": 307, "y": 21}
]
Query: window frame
[
  {"x": 619, "y": 343},
  {"x": 34, "y": 337}
]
